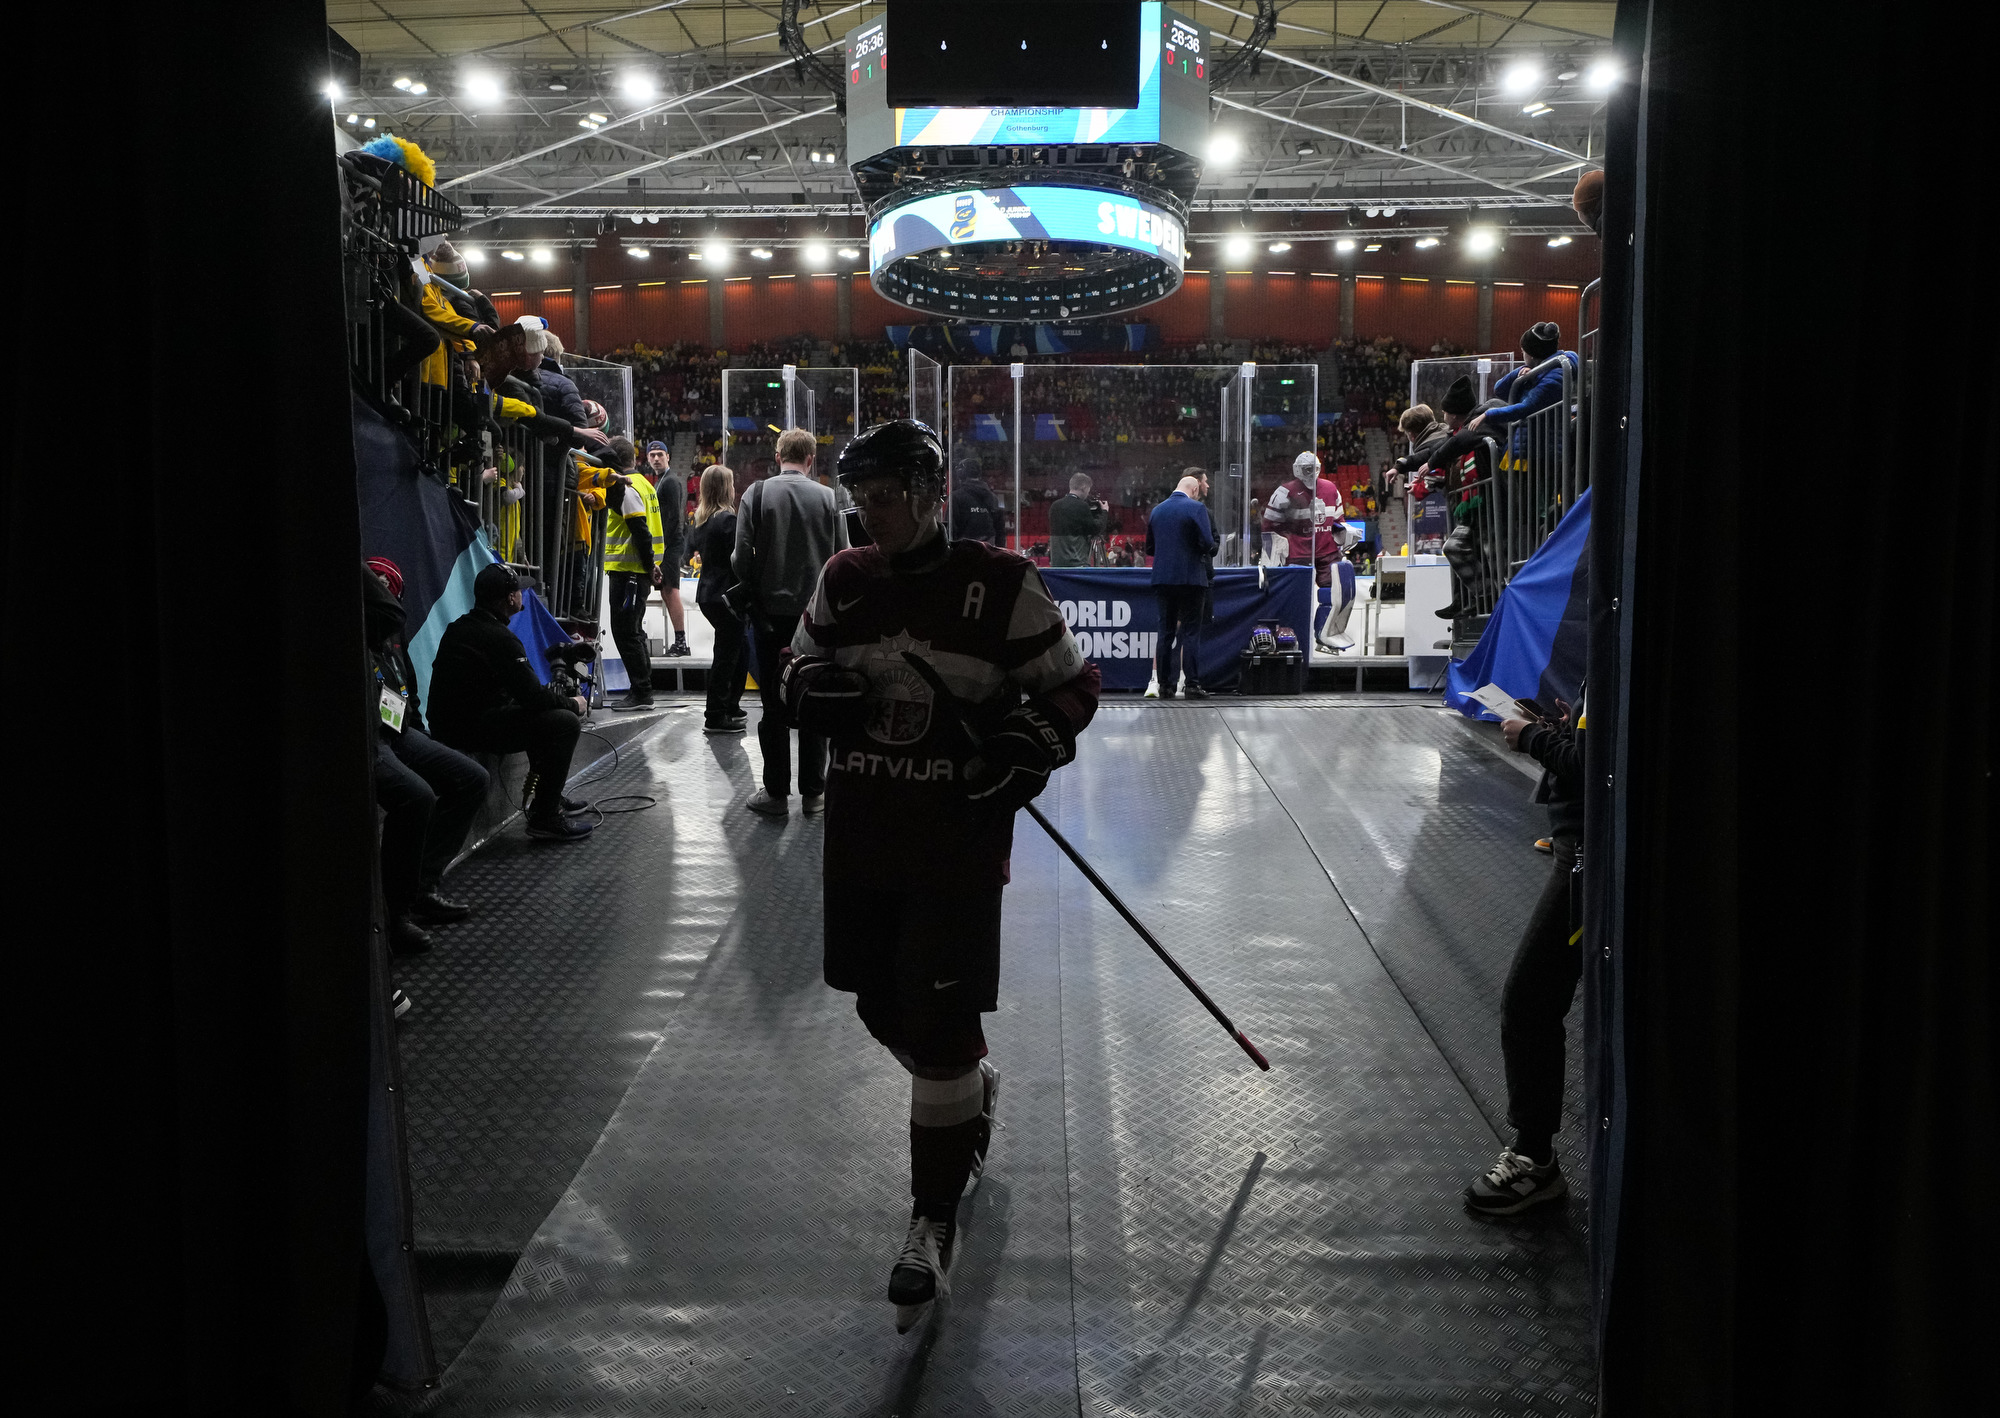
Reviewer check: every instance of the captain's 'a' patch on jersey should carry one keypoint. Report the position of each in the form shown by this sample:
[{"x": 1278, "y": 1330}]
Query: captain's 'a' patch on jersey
[{"x": 983, "y": 620}]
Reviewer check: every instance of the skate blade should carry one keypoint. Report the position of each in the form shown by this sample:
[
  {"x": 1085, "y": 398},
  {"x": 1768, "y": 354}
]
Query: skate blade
[{"x": 908, "y": 1317}]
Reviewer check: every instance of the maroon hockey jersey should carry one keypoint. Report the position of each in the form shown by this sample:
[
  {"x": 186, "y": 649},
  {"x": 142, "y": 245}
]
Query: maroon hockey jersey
[{"x": 896, "y": 810}]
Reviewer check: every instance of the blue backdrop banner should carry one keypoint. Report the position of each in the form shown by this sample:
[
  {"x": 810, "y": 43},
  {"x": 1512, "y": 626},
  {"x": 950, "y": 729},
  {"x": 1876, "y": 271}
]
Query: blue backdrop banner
[
  {"x": 1534, "y": 646},
  {"x": 1117, "y": 622}
]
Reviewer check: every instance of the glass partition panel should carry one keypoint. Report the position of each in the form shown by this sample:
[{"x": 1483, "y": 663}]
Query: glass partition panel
[
  {"x": 926, "y": 391},
  {"x": 1282, "y": 422},
  {"x": 828, "y": 401},
  {"x": 609, "y": 384},
  {"x": 982, "y": 453},
  {"x": 754, "y": 413},
  {"x": 1430, "y": 378}
]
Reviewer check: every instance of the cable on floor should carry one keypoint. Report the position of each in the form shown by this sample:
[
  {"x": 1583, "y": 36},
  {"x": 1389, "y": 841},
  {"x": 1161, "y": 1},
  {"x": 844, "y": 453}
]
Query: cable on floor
[{"x": 644, "y": 800}]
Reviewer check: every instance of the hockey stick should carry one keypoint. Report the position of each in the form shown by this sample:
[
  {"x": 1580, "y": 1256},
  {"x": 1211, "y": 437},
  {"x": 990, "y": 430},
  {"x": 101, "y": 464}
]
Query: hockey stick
[{"x": 950, "y": 701}]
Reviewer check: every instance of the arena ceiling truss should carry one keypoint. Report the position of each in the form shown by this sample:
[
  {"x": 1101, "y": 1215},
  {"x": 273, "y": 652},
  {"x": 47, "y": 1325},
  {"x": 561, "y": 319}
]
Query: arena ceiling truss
[{"x": 540, "y": 110}]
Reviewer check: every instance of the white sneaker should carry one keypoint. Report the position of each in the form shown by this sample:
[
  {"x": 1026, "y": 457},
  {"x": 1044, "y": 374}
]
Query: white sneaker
[
  {"x": 989, "y": 1076},
  {"x": 811, "y": 803},
  {"x": 763, "y": 802},
  {"x": 1152, "y": 689}
]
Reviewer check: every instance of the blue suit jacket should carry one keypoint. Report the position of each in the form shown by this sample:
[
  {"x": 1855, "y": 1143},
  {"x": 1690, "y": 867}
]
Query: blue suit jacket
[{"x": 1182, "y": 541}]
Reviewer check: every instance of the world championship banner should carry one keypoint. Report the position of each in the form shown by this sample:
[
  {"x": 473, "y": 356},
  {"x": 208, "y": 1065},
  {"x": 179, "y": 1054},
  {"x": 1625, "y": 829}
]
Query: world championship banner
[{"x": 1116, "y": 619}]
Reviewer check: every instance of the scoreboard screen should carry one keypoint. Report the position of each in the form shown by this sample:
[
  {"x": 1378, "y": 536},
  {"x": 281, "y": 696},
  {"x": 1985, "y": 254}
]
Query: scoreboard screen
[
  {"x": 1170, "y": 98},
  {"x": 1062, "y": 53}
]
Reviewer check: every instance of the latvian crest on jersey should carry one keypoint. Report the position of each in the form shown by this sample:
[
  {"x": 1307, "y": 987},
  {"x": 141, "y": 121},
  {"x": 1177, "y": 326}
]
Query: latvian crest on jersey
[{"x": 899, "y": 702}]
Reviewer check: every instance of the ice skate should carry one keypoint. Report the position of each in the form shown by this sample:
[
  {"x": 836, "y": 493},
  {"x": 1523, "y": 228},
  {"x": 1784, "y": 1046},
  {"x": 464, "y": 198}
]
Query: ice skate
[
  {"x": 918, "y": 1279},
  {"x": 990, "y": 1076}
]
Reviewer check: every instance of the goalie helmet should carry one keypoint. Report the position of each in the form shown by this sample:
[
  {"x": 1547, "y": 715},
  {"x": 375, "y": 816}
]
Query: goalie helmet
[
  {"x": 900, "y": 448},
  {"x": 1305, "y": 468},
  {"x": 1263, "y": 641}
]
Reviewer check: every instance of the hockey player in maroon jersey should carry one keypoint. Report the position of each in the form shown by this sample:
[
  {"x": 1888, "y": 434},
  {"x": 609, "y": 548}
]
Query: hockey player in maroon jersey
[
  {"x": 919, "y": 825},
  {"x": 1308, "y": 509}
]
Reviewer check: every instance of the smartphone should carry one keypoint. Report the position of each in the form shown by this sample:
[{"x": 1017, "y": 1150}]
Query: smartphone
[{"x": 1534, "y": 710}]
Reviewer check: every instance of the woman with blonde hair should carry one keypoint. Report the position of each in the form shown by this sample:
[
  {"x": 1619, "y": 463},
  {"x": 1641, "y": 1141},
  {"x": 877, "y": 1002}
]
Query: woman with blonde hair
[{"x": 714, "y": 540}]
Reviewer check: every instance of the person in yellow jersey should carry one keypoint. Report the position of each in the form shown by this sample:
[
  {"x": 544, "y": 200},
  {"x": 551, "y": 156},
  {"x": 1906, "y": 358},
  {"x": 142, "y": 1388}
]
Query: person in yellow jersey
[{"x": 634, "y": 547}]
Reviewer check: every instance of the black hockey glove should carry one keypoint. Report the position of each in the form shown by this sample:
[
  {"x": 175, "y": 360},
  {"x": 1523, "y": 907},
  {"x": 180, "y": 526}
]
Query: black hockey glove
[
  {"x": 1014, "y": 761},
  {"x": 822, "y": 697}
]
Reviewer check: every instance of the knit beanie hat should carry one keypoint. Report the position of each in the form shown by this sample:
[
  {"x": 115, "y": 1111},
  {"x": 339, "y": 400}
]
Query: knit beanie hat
[
  {"x": 1541, "y": 340},
  {"x": 446, "y": 261},
  {"x": 390, "y": 572},
  {"x": 1458, "y": 399}
]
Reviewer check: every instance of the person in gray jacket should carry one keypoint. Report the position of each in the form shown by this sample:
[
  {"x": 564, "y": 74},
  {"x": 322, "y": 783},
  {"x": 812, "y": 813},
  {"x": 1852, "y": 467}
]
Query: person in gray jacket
[
  {"x": 1075, "y": 523},
  {"x": 787, "y": 528}
]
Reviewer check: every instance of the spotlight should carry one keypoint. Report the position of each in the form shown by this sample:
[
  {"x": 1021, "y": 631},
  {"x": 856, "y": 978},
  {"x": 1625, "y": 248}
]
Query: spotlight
[
  {"x": 1237, "y": 247},
  {"x": 475, "y": 255},
  {"x": 1388, "y": 211},
  {"x": 815, "y": 154},
  {"x": 1425, "y": 243},
  {"x": 1567, "y": 72},
  {"x": 353, "y": 118},
  {"x": 1278, "y": 246},
  {"x": 331, "y": 89},
  {"x": 1559, "y": 240},
  {"x": 481, "y": 88},
  {"x": 558, "y": 84},
  {"x": 1481, "y": 240},
  {"x": 1224, "y": 147},
  {"x": 598, "y": 117},
  {"x": 1521, "y": 77},
  {"x": 1603, "y": 74},
  {"x": 816, "y": 253},
  {"x": 1344, "y": 245},
  {"x": 715, "y": 254},
  {"x": 586, "y": 123},
  {"x": 1373, "y": 246},
  {"x": 1305, "y": 149},
  {"x": 402, "y": 84},
  {"x": 420, "y": 88},
  {"x": 543, "y": 256},
  {"x": 639, "y": 251},
  {"x": 753, "y": 155},
  {"x": 512, "y": 255},
  {"x": 848, "y": 253},
  {"x": 637, "y": 86},
  {"x": 1374, "y": 212},
  {"x": 367, "y": 123},
  {"x": 1536, "y": 109},
  {"x": 760, "y": 253}
]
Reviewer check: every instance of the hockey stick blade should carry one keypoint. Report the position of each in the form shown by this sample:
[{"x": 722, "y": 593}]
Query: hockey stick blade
[{"x": 950, "y": 702}]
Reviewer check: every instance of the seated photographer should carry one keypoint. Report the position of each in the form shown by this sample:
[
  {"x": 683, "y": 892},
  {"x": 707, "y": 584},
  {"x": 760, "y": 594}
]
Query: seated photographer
[
  {"x": 485, "y": 698},
  {"x": 428, "y": 793}
]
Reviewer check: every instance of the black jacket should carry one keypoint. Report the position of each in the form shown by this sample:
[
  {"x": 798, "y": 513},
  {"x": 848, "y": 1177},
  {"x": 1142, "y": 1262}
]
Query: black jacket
[
  {"x": 482, "y": 666},
  {"x": 715, "y": 541},
  {"x": 1073, "y": 521},
  {"x": 1559, "y": 749},
  {"x": 560, "y": 396},
  {"x": 383, "y": 619}
]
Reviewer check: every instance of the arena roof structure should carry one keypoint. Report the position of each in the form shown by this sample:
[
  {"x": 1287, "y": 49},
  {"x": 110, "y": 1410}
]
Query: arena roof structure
[{"x": 1418, "y": 110}]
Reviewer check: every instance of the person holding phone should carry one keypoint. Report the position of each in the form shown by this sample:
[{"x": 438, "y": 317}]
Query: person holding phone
[{"x": 1541, "y": 982}]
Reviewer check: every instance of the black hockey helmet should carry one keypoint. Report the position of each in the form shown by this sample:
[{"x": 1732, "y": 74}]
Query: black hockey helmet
[{"x": 900, "y": 448}]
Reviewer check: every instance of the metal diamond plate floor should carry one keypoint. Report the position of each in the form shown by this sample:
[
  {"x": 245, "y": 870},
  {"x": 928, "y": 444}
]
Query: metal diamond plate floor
[{"x": 1162, "y": 1229}]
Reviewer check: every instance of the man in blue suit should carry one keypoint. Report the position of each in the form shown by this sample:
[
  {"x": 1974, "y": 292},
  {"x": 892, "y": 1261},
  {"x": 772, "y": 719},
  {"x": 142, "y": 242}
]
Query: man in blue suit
[{"x": 1181, "y": 542}]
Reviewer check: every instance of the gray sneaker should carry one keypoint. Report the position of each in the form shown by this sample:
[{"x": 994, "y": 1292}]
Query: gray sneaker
[
  {"x": 810, "y": 803},
  {"x": 763, "y": 802},
  {"x": 1513, "y": 1184}
]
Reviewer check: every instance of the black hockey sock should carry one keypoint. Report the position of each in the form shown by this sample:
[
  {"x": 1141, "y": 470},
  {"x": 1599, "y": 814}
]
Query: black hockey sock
[
  {"x": 1539, "y": 1148},
  {"x": 946, "y": 1128}
]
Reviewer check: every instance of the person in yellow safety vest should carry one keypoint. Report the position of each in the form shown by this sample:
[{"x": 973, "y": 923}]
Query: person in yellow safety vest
[{"x": 635, "y": 546}]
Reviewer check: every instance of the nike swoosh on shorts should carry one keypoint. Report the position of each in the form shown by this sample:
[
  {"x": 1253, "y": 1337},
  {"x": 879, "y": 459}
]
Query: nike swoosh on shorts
[{"x": 942, "y": 984}]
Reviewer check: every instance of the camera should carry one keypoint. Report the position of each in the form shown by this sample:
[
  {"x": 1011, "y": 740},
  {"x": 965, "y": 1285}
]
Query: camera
[{"x": 566, "y": 665}]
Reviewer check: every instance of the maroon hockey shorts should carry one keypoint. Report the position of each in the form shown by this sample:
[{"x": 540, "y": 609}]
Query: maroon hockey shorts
[{"x": 923, "y": 966}]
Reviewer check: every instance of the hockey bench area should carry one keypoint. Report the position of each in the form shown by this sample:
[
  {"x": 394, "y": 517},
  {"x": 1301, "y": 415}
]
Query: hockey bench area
[{"x": 660, "y": 1168}]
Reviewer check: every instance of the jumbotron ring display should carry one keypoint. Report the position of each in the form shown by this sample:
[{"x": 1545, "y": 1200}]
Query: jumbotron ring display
[{"x": 1039, "y": 252}]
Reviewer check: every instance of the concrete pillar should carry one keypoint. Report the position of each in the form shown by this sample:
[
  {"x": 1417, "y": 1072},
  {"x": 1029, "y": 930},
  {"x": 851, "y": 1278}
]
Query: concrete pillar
[
  {"x": 716, "y": 334},
  {"x": 1215, "y": 299},
  {"x": 1347, "y": 306},
  {"x": 1485, "y": 317},
  {"x": 579, "y": 300},
  {"x": 843, "y": 285}
]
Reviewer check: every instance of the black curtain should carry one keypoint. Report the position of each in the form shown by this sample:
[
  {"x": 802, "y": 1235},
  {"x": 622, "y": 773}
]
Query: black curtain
[
  {"x": 192, "y": 852},
  {"x": 1791, "y": 716}
]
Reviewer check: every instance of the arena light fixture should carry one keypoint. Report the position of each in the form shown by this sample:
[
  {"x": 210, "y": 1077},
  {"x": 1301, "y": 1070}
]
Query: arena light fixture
[
  {"x": 1344, "y": 245},
  {"x": 598, "y": 117},
  {"x": 638, "y": 86},
  {"x": 1521, "y": 77},
  {"x": 474, "y": 255},
  {"x": 1603, "y": 74},
  {"x": 761, "y": 253},
  {"x": 1568, "y": 72},
  {"x": 481, "y": 88},
  {"x": 639, "y": 251},
  {"x": 753, "y": 154},
  {"x": 543, "y": 256},
  {"x": 848, "y": 253},
  {"x": 1536, "y": 109},
  {"x": 513, "y": 256},
  {"x": 816, "y": 253},
  {"x": 1425, "y": 243},
  {"x": 353, "y": 118},
  {"x": 1278, "y": 246},
  {"x": 1559, "y": 240},
  {"x": 1224, "y": 147},
  {"x": 1373, "y": 246},
  {"x": 558, "y": 84},
  {"x": 1481, "y": 240},
  {"x": 331, "y": 88},
  {"x": 401, "y": 84},
  {"x": 587, "y": 123},
  {"x": 1373, "y": 212},
  {"x": 715, "y": 254},
  {"x": 420, "y": 88},
  {"x": 367, "y": 123},
  {"x": 1237, "y": 247},
  {"x": 1305, "y": 149}
]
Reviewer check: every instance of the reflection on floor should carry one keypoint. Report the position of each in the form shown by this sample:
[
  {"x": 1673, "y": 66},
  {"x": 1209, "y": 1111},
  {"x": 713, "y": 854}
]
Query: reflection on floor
[{"x": 630, "y": 1076}]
